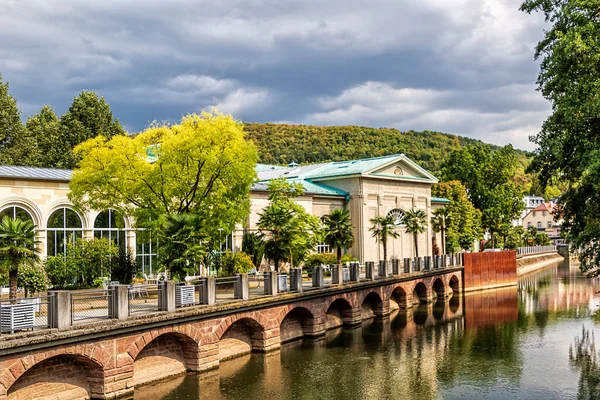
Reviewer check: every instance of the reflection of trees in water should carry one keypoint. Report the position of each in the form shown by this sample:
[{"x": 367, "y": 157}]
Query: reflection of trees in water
[{"x": 583, "y": 355}]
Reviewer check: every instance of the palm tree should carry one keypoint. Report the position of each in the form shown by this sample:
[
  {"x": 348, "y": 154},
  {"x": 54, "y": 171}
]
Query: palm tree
[
  {"x": 18, "y": 247},
  {"x": 382, "y": 228},
  {"x": 438, "y": 223},
  {"x": 338, "y": 231},
  {"x": 182, "y": 244},
  {"x": 416, "y": 222}
]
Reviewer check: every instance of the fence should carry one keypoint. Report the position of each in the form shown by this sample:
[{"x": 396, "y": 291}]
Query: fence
[
  {"x": 534, "y": 250},
  {"x": 90, "y": 305},
  {"x": 25, "y": 314},
  {"x": 143, "y": 299}
]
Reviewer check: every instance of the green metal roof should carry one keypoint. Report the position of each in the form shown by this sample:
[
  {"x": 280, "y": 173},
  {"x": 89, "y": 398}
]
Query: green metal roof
[
  {"x": 439, "y": 200},
  {"x": 309, "y": 188}
]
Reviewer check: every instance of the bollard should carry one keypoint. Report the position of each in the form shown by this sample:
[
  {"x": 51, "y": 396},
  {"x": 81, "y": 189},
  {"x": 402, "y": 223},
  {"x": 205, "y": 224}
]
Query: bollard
[
  {"x": 395, "y": 267},
  {"x": 417, "y": 264},
  {"x": 382, "y": 269},
  {"x": 407, "y": 265},
  {"x": 296, "y": 279},
  {"x": 444, "y": 261},
  {"x": 337, "y": 277},
  {"x": 437, "y": 261},
  {"x": 370, "y": 270},
  {"x": 60, "y": 317},
  {"x": 318, "y": 280},
  {"x": 354, "y": 272},
  {"x": 240, "y": 287},
  {"x": 271, "y": 281},
  {"x": 209, "y": 291}
]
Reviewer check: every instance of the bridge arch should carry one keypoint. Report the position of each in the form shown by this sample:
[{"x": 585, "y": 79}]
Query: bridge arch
[
  {"x": 169, "y": 354},
  {"x": 297, "y": 323},
  {"x": 77, "y": 376},
  {"x": 338, "y": 311},
  {"x": 371, "y": 304},
  {"x": 420, "y": 294},
  {"x": 454, "y": 284},
  {"x": 399, "y": 295},
  {"x": 241, "y": 337},
  {"x": 438, "y": 288}
]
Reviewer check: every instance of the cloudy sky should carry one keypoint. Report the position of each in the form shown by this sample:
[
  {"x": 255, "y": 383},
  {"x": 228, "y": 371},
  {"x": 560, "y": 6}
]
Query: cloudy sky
[{"x": 458, "y": 66}]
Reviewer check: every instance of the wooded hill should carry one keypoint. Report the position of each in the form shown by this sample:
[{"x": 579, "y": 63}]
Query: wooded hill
[{"x": 282, "y": 144}]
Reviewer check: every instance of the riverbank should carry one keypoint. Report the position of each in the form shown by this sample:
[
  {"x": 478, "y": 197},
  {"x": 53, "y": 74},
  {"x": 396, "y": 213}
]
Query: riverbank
[{"x": 534, "y": 262}]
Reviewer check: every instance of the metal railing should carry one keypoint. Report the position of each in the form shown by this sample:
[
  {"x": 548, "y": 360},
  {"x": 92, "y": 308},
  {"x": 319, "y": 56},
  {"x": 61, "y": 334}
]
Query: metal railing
[
  {"x": 534, "y": 249},
  {"x": 143, "y": 299},
  {"x": 91, "y": 305},
  {"x": 224, "y": 288},
  {"x": 256, "y": 285},
  {"x": 29, "y": 313}
]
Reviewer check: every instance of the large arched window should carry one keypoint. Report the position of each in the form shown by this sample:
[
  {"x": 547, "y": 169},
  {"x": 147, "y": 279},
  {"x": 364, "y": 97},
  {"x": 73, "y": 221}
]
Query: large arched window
[
  {"x": 145, "y": 250},
  {"x": 398, "y": 216},
  {"x": 110, "y": 225},
  {"x": 64, "y": 226},
  {"x": 15, "y": 212}
]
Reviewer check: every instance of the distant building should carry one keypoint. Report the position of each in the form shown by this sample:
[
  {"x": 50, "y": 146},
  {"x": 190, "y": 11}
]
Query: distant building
[
  {"x": 530, "y": 203},
  {"x": 542, "y": 218}
]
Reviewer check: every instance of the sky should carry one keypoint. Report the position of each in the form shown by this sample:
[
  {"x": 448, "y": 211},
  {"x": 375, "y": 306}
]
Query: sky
[{"x": 464, "y": 67}]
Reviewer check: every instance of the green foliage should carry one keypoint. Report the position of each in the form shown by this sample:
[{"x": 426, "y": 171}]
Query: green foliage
[
  {"x": 289, "y": 231},
  {"x": 460, "y": 219},
  {"x": 282, "y": 144},
  {"x": 253, "y": 245},
  {"x": 84, "y": 262},
  {"x": 384, "y": 227},
  {"x": 181, "y": 244},
  {"x": 569, "y": 139},
  {"x": 489, "y": 178},
  {"x": 236, "y": 263},
  {"x": 18, "y": 247},
  {"x": 317, "y": 259},
  {"x": 11, "y": 127},
  {"x": 32, "y": 278},
  {"x": 124, "y": 267},
  {"x": 202, "y": 166},
  {"x": 338, "y": 231},
  {"x": 416, "y": 223}
]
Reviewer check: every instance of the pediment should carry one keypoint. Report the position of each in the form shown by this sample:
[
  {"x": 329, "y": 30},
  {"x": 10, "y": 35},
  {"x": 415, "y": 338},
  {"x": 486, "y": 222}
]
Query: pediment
[{"x": 403, "y": 169}]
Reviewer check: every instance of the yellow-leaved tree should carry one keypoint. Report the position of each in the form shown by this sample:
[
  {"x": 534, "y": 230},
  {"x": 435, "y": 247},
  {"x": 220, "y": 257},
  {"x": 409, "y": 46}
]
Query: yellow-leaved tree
[{"x": 201, "y": 169}]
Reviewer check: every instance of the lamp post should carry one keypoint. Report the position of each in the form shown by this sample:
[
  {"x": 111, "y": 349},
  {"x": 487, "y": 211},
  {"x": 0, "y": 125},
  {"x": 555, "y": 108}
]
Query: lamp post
[{"x": 220, "y": 247}]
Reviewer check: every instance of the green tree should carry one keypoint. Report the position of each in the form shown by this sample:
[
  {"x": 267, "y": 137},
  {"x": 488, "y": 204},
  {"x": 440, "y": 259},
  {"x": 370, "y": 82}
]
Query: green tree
[
  {"x": 11, "y": 127},
  {"x": 253, "y": 245},
  {"x": 416, "y": 223},
  {"x": 18, "y": 247},
  {"x": 236, "y": 263},
  {"x": 32, "y": 278},
  {"x": 43, "y": 146},
  {"x": 88, "y": 117},
  {"x": 289, "y": 231},
  {"x": 338, "y": 232},
  {"x": 462, "y": 220},
  {"x": 384, "y": 227},
  {"x": 203, "y": 166},
  {"x": 569, "y": 139},
  {"x": 489, "y": 178},
  {"x": 123, "y": 267}
]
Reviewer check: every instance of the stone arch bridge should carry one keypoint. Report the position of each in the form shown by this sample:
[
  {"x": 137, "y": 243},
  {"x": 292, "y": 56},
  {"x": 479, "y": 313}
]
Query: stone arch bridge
[{"x": 109, "y": 360}]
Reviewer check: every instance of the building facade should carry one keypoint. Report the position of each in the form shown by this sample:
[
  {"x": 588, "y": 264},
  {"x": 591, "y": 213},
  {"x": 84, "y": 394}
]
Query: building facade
[
  {"x": 542, "y": 218},
  {"x": 368, "y": 188}
]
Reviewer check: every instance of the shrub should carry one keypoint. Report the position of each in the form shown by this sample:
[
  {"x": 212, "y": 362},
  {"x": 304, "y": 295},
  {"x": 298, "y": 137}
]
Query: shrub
[
  {"x": 314, "y": 260},
  {"x": 254, "y": 246},
  {"x": 236, "y": 263},
  {"x": 32, "y": 278},
  {"x": 123, "y": 267}
]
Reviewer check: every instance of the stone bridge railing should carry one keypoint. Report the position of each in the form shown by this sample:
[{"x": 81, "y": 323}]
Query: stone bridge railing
[{"x": 527, "y": 250}]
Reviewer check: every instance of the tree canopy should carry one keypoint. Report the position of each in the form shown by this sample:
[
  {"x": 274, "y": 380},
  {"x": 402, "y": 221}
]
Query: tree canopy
[
  {"x": 489, "y": 178},
  {"x": 569, "y": 139},
  {"x": 11, "y": 126},
  {"x": 203, "y": 166}
]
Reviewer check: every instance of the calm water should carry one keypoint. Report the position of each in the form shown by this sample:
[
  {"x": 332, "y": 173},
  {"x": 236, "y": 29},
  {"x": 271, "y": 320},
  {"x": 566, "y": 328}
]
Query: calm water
[{"x": 526, "y": 343}]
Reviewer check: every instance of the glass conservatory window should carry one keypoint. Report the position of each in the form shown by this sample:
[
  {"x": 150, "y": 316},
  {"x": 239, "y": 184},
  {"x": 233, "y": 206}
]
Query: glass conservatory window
[
  {"x": 64, "y": 226},
  {"x": 110, "y": 224},
  {"x": 15, "y": 212}
]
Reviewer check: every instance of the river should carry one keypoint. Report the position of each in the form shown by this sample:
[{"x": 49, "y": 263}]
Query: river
[{"x": 534, "y": 341}]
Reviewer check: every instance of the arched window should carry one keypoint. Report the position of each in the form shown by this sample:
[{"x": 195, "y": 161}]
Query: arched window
[
  {"x": 64, "y": 226},
  {"x": 398, "y": 216},
  {"x": 110, "y": 224},
  {"x": 146, "y": 248},
  {"x": 15, "y": 212}
]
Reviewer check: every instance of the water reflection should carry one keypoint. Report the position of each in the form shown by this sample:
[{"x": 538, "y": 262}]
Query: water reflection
[{"x": 494, "y": 344}]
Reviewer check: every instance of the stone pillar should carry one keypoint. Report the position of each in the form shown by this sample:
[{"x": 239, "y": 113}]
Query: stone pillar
[
  {"x": 427, "y": 263},
  {"x": 208, "y": 357},
  {"x": 418, "y": 264},
  {"x": 240, "y": 287},
  {"x": 166, "y": 296},
  {"x": 395, "y": 267},
  {"x": 354, "y": 272},
  {"x": 437, "y": 260},
  {"x": 351, "y": 317},
  {"x": 382, "y": 270},
  {"x": 318, "y": 279},
  {"x": 271, "y": 281},
  {"x": 296, "y": 279},
  {"x": 370, "y": 270},
  {"x": 61, "y": 309},
  {"x": 209, "y": 291},
  {"x": 118, "y": 302},
  {"x": 337, "y": 277},
  {"x": 444, "y": 261},
  {"x": 382, "y": 309},
  {"x": 407, "y": 265}
]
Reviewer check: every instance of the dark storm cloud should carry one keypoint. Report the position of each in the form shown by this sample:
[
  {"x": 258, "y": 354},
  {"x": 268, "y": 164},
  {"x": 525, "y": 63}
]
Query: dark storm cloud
[{"x": 459, "y": 66}]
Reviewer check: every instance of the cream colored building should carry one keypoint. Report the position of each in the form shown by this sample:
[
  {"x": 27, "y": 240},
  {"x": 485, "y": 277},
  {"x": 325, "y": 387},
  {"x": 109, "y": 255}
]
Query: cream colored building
[{"x": 387, "y": 185}]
